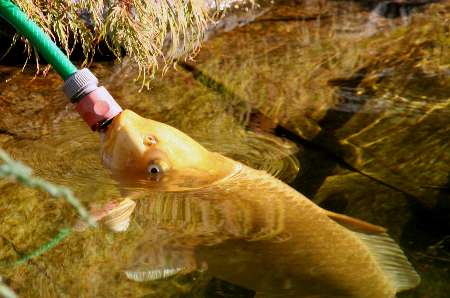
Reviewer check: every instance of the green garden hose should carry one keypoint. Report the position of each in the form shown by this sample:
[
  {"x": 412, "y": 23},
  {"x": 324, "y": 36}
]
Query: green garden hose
[
  {"x": 94, "y": 104},
  {"x": 38, "y": 38}
]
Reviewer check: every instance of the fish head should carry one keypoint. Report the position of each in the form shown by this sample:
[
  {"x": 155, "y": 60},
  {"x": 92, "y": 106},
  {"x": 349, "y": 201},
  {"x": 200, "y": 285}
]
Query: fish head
[{"x": 150, "y": 153}]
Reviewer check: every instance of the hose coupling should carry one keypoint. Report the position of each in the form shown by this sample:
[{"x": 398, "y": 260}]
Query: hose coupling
[{"x": 94, "y": 104}]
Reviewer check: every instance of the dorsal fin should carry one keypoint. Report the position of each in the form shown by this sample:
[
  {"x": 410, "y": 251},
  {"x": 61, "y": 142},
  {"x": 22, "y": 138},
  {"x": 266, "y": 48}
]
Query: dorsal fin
[
  {"x": 355, "y": 224},
  {"x": 388, "y": 254}
]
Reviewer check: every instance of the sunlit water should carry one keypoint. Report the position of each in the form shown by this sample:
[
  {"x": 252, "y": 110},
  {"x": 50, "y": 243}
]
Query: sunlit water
[{"x": 360, "y": 99}]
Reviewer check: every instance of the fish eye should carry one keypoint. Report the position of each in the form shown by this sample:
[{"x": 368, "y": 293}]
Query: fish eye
[
  {"x": 154, "y": 169},
  {"x": 157, "y": 167}
]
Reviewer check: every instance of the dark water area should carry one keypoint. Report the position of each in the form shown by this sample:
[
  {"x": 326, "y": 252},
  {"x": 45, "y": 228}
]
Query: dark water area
[{"x": 346, "y": 101}]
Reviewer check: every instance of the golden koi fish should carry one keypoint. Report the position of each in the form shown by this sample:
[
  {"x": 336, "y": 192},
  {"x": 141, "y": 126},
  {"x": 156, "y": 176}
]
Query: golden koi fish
[{"x": 206, "y": 211}]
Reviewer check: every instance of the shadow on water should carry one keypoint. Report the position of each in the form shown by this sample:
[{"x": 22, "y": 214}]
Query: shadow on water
[
  {"x": 312, "y": 176},
  {"x": 394, "y": 9},
  {"x": 217, "y": 288},
  {"x": 428, "y": 227},
  {"x": 427, "y": 238}
]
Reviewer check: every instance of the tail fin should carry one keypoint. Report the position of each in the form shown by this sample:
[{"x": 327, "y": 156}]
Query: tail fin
[
  {"x": 387, "y": 253},
  {"x": 391, "y": 260}
]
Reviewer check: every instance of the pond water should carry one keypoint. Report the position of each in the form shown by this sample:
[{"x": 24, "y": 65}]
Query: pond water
[{"x": 347, "y": 102}]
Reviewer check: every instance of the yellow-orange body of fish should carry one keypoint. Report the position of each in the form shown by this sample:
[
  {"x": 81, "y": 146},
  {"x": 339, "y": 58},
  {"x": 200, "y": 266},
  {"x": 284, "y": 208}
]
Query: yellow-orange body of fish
[{"x": 209, "y": 212}]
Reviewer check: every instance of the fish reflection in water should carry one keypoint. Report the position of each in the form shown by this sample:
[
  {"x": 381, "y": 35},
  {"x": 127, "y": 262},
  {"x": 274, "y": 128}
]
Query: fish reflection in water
[{"x": 203, "y": 211}]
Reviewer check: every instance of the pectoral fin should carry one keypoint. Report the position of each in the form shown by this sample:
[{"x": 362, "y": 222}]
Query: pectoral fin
[
  {"x": 160, "y": 262},
  {"x": 118, "y": 219},
  {"x": 115, "y": 215}
]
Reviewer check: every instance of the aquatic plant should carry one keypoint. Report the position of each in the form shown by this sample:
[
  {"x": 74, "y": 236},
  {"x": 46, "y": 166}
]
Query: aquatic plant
[{"x": 149, "y": 32}]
